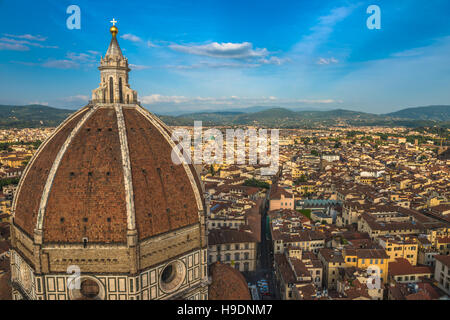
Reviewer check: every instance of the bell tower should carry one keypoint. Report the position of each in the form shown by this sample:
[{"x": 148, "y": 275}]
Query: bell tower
[{"x": 114, "y": 86}]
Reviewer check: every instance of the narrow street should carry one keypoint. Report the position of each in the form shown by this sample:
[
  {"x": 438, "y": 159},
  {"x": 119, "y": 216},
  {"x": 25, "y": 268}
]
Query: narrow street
[{"x": 265, "y": 266}]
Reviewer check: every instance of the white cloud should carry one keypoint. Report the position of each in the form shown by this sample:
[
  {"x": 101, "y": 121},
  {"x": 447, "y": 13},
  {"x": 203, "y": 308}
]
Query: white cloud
[
  {"x": 327, "y": 61},
  {"x": 150, "y": 44},
  {"x": 131, "y": 37},
  {"x": 13, "y": 46},
  {"x": 38, "y": 102},
  {"x": 61, "y": 64},
  {"x": 138, "y": 67},
  {"x": 27, "y": 37},
  {"x": 73, "y": 60},
  {"x": 94, "y": 53},
  {"x": 406, "y": 78},
  {"x": 336, "y": 15},
  {"x": 76, "y": 98},
  {"x": 8, "y": 43},
  {"x": 273, "y": 60},
  {"x": 157, "y": 98},
  {"x": 80, "y": 57},
  {"x": 199, "y": 103},
  {"x": 242, "y": 50},
  {"x": 322, "y": 30},
  {"x": 214, "y": 65}
]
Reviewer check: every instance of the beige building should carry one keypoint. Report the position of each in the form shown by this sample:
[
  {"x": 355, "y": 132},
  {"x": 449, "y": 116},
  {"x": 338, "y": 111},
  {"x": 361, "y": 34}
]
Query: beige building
[
  {"x": 280, "y": 198},
  {"x": 402, "y": 271},
  {"x": 297, "y": 274},
  {"x": 442, "y": 272},
  {"x": 331, "y": 261},
  {"x": 307, "y": 240},
  {"x": 400, "y": 247},
  {"x": 234, "y": 247}
]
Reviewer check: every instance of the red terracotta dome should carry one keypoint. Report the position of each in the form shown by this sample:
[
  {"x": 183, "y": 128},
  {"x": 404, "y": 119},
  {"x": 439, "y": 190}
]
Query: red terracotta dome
[
  {"x": 227, "y": 283},
  {"x": 105, "y": 171}
]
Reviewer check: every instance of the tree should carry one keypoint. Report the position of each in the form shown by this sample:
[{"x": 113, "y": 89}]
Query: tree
[
  {"x": 302, "y": 178},
  {"x": 6, "y": 182},
  {"x": 211, "y": 170},
  {"x": 305, "y": 212},
  {"x": 256, "y": 183}
]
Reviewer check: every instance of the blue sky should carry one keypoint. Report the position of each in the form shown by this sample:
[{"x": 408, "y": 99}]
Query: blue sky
[{"x": 217, "y": 55}]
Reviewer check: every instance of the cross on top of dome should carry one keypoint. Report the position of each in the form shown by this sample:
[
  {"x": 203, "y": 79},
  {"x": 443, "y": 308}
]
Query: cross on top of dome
[{"x": 114, "y": 29}]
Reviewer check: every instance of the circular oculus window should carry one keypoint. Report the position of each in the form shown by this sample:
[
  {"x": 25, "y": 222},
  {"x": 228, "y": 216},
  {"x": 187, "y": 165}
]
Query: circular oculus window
[
  {"x": 88, "y": 288},
  {"x": 172, "y": 276}
]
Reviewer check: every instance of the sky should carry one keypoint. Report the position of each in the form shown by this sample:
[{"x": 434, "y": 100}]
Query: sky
[{"x": 216, "y": 55}]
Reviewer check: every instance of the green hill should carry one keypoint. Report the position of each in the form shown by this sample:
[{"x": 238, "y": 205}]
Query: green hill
[
  {"x": 31, "y": 116},
  {"x": 437, "y": 113},
  {"x": 285, "y": 118}
]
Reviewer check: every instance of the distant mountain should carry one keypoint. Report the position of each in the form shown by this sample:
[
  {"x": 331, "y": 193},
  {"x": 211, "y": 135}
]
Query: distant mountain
[
  {"x": 39, "y": 115},
  {"x": 286, "y": 118},
  {"x": 438, "y": 113},
  {"x": 31, "y": 116},
  {"x": 252, "y": 109}
]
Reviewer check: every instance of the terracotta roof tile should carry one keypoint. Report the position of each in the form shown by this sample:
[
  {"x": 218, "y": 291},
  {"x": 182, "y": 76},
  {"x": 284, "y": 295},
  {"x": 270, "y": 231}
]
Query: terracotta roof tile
[
  {"x": 227, "y": 283},
  {"x": 87, "y": 197}
]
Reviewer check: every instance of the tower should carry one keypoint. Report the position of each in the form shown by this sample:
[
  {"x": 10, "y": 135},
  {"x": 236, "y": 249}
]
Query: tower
[
  {"x": 102, "y": 212},
  {"x": 114, "y": 86}
]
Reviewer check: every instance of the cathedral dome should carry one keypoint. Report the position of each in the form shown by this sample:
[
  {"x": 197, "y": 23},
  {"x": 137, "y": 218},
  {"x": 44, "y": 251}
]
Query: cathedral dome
[
  {"x": 227, "y": 283},
  {"x": 102, "y": 211},
  {"x": 105, "y": 171}
]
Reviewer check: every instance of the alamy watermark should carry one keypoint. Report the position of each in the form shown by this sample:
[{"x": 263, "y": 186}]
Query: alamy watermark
[
  {"x": 373, "y": 281},
  {"x": 74, "y": 20},
  {"x": 249, "y": 146},
  {"x": 73, "y": 281},
  {"x": 374, "y": 21}
]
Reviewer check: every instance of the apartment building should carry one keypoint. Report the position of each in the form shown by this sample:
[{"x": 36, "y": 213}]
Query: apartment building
[{"x": 442, "y": 272}]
